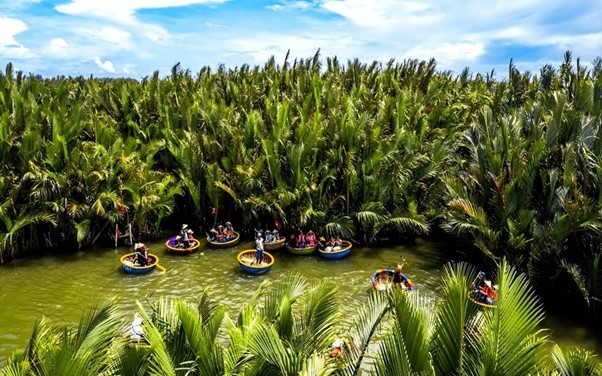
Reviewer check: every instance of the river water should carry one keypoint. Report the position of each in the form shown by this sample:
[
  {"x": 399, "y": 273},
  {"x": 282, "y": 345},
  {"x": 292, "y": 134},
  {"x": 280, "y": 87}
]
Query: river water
[{"x": 63, "y": 287}]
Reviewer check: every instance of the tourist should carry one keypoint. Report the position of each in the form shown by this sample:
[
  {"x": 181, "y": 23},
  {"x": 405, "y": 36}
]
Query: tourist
[
  {"x": 329, "y": 244},
  {"x": 338, "y": 244},
  {"x": 300, "y": 239},
  {"x": 292, "y": 241},
  {"x": 337, "y": 348},
  {"x": 229, "y": 230},
  {"x": 212, "y": 234},
  {"x": 275, "y": 235},
  {"x": 310, "y": 239},
  {"x": 268, "y": 236},
  {"x": 221, "y": 234}
]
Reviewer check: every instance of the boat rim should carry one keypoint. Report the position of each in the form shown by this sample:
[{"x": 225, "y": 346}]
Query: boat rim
[
  {"x": 348, "y": 247},
  {"x": 479, "y": 303},
  {"x": 122, "y": 259},
  {"x": 225, "y": 243},
  {"x": 253, "y": 266},
  {"x": 197, "y": 245}
]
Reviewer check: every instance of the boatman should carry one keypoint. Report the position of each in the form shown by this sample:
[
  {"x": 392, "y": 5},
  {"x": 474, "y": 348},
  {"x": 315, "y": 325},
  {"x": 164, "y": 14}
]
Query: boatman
[
  {"x": 259, "y": 248},
  {"x": 185, "y": 235},
  {"x": 141, "y": 253}
]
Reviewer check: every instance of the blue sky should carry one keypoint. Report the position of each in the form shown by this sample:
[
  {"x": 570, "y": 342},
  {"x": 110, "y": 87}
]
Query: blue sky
[{"x": 136, "y": 37}]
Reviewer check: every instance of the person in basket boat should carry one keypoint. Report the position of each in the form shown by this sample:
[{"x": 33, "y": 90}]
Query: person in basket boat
[
  {"x": 229, "y": 230},
  {"x": 292, "y": 241},
  {"x": 136, "y": 330},
  {"x": 275, "y": 235},
  {"x": 300, "y": 239},
  {"x": 329, "y": 245},
  {"x": 183, "y": 239},
  {"x": 310, "y": 239},
  {"x": 212, "y": 234},
  {"x": 140, "y": 254},
  {"x": 338, "y": 244},
  {"x": 259, "y": 248},
  {"x": 337, "y": 347},
  {"x": 400, "y": 279},
  {"x": 268, "y": 236},
  {"x": 221, "y": 234},
  {"x": 484, "y": 292},
  {"x": 322, "y": 243}
]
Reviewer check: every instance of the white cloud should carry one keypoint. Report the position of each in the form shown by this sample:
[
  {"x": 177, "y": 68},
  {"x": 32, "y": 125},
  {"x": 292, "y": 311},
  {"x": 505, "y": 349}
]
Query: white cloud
[
  {"x": 58, "y": 47},
  {"x": 122, "y": 10},
  {"x": 285, "y": 6},
  {"x": 115, "y": 37},
  {"x": 127, "y": 68},
  {"x": 106, "y": 66},
  {"x": 376, "y": 14},
  {"x": 261, "y": 47},
  {"x": 9, "y": 47},
  {"x": 212, "y": 25},
  {"x": 448, "y": 53}
]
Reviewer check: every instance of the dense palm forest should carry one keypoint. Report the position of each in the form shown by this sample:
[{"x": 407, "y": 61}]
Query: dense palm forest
[
  {"x": 289, "y": 327},
  {"x": 508, "y": 168}
]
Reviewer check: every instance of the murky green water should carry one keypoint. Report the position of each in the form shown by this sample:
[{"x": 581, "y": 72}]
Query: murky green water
[{"x": 63, "y": 287}]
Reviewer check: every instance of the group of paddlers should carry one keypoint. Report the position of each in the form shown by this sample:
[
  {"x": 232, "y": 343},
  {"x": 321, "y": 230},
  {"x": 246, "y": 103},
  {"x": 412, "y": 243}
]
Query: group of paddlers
[
  {"x": 269, "y": 237},
  {"x": 483, "y": 291},
  {"x": 222, "y": 233},
  {"x": 300, "y": 240},
  {"x": 185, "y": 237}
]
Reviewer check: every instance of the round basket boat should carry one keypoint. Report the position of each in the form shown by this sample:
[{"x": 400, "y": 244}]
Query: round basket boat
[
  {"x": 275, "y": 246},
  {"x": 335, "y": 255},
  {"x": 302, "y": 251},
  {"x": 127, "y": 262},
  {"x": 246, "y": 260},
  {"x": 382, "y": 280},
  {"x": 228, "y": 244},
  {"x": 172, "y": 248},
  {"x": 472, "y": 298}
]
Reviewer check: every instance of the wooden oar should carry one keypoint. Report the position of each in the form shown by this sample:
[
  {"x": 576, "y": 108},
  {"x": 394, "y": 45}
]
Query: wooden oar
[{"x": 163, "y": 269}]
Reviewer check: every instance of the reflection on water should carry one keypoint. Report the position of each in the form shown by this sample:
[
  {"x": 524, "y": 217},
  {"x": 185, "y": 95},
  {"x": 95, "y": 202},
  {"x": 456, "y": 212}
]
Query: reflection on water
[{"x": 63, "y": 287}]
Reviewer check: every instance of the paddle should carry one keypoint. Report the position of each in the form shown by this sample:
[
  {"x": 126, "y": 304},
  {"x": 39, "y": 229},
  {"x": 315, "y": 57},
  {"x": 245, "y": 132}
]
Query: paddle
[{"x": 163, "y": 269}]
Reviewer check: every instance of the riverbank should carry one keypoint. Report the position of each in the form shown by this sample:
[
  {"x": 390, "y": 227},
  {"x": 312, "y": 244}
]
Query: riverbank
[{"x": 63, "y": 286}]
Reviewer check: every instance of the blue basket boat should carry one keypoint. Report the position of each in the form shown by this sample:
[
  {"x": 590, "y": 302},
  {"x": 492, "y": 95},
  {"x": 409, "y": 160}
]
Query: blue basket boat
[
  {"x": 339, "y": 254},
  {"x": 230, "y": 243},
  {"x": 127, "y": 262},
  {"x": 173, "y": 248},
  {"x": 246, "y": 260}
]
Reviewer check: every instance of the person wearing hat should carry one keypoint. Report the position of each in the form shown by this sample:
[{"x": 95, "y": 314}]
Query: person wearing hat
[
  {"x": 229, "y": 230},
  {"x": 259, "y": 248},
  {"x": 310, "y": 239},
  {"x": 212, "y": 234},
  {"x": 221, "y": 234},
  {"x": 275, "y": 235},
  {"x": 185, "y": 236},
  {"x": 136, "y": 330},
  {"x": 268, "y": 236},
  {"x": 300, "y": 239},
  {"x": 322, "y": 243},
  {"x": 141, "y": 254}
]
